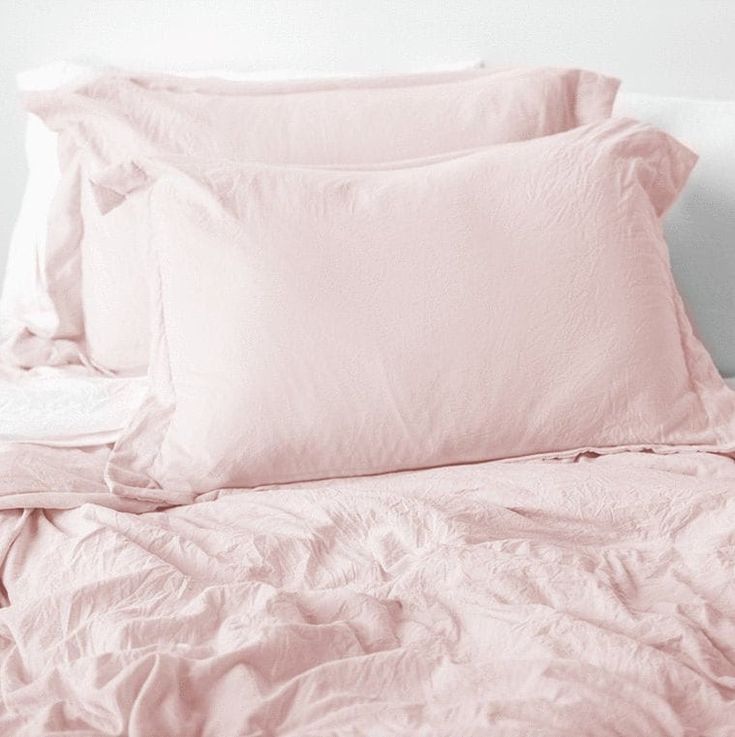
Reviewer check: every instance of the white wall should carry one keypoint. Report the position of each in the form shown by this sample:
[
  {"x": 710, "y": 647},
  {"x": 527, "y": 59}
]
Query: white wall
[{"x": 684, "y": 47}]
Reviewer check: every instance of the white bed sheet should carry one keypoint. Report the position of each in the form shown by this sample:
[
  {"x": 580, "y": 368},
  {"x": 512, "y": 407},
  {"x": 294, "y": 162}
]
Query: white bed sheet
[{"x": 66, "y": 406}]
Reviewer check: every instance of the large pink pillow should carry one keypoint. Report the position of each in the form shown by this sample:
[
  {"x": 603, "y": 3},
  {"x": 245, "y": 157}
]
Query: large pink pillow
[
  {"x": 357, "y": 121},
  {"x": 511, "y": 301}
]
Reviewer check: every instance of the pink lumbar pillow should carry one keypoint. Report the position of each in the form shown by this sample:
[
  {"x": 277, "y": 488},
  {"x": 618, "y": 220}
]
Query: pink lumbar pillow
[
  {"x": 340, "y": 121},
  {"x": 511, "y": 301}
]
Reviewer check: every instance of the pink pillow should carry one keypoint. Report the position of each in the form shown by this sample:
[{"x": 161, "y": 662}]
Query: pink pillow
[
  {"x": 357, "y": 121},
  {"x": 512, "y": 301}
]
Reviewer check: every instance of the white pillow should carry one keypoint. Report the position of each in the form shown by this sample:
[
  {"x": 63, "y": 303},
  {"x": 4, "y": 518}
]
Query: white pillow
[
  {"x": 23, "y": 291},
  {"x": 700, "y": 227},
  {"x": 23, "y": 277}
]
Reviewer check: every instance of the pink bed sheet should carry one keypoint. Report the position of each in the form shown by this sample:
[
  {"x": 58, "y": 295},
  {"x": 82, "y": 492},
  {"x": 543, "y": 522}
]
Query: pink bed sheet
[{"x": 532, "y": 599}]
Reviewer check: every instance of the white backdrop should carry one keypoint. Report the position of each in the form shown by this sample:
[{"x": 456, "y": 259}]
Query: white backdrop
[{"x": 680, "y": 47}]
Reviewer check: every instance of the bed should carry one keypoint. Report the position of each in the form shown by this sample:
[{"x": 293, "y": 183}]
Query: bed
[{"x": 175, "y": 565}]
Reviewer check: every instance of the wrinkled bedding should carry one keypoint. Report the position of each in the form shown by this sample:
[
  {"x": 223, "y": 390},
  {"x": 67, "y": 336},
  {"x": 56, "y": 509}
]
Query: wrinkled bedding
[{"x": 529, "y": 599}]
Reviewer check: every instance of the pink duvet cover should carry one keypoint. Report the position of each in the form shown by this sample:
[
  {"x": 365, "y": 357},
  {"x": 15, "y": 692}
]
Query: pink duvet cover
[{"x": 531, "y": 599}]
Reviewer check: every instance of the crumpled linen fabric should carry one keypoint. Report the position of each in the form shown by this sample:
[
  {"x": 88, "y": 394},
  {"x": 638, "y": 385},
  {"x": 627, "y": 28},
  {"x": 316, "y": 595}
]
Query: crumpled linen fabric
[{"x": 538, "y": 598}]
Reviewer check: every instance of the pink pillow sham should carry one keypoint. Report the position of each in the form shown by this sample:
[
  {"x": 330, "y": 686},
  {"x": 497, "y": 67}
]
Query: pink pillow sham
[
  {"x": 354, "y": 122},
  {"x": 510, "y": 301}
]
